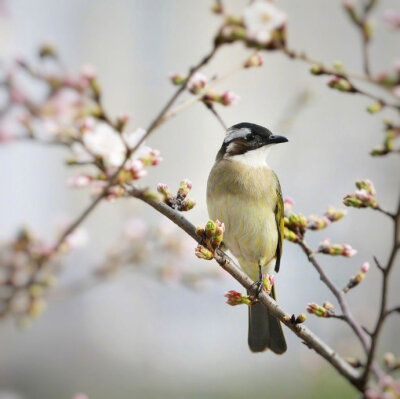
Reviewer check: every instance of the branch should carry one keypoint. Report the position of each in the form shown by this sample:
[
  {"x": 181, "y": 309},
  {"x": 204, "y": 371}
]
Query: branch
[
  {"x": 307, "y": 336},
  {"x": 339, "y": 295},
  {"x": 383, "y": 312},
  {"x": 159, "y": 119}
]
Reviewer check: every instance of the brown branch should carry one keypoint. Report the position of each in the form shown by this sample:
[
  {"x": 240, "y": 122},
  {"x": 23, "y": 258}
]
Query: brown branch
[
  {"x": 383, "y": 312},
  {"x": 306, "y": 335},
  {"x": 339, "y": 295},
  {"x": 211, "y": 107}
]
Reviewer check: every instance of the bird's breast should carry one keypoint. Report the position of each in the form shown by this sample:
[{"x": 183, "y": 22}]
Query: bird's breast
[{"x": 244, "y": 198}]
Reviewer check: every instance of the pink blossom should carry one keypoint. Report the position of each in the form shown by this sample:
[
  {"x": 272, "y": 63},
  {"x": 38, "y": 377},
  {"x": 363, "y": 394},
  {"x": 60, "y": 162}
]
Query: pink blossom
[
  {"x": 197, "y": 83},
  {"x": 262, "y": 19},
  {"x": 80, "y": 180},
  {"x": 135, "y": 229},
  {"x": 365, "y": 267},
  {"x": 348, "y": 251},
  {"x": 88, "y": 72},
  {"x": 229, "y": 98},
  {"x": 135, "y": 166},
  {"x": 392, "y": 18},
  {"x": 17, "y": 96},
  {"x": 78, "y": 238}
]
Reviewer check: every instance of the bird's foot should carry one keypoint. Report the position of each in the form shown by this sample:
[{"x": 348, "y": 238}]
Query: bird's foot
[{"x": 258, "y": 285}]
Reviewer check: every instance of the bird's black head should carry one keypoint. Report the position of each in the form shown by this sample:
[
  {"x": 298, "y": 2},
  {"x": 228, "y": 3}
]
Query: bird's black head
[{"x": 245, "y": 137}]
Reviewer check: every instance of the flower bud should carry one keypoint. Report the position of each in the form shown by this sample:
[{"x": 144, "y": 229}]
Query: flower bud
[
  {"x": 211, "y": 228},
  {"x": 365, "y": 267},
  {"x": 389, "y": 359},
  {"x": 288, "y": 204},
  {"x": 268, "y": 282},
  {"x": 234, "y": 298},
  {"x": 326, "y": 247},
  {"x": 197, "y": 83},
  {"x": 200, "y": 231},
  {"x": 318, "y": 310},
  {"x": 366, "y": 185},
  {"x": 254, "y": 61},
  {"x": 47, "y": 50},
  {"x": 341, "y": 84},
  {"x": 187, "y": 204},
  {"x": 301, "y": 318},
  {"x": 375, "y": 107},
  {"x": 203, "y": 253},
  {"x": 163, "y": 189},
  {"x": 177, "y": 79},
  {"x": 185, "y": 187},
  {"x": 229, "y": 98},
  {"x": 318, "y": 223},
  {"x": 290, "y": 235},
  {"x": 316, "y": 69},
  {"x": 327, "y": 305},
  {"x": 335, "y": 214}
]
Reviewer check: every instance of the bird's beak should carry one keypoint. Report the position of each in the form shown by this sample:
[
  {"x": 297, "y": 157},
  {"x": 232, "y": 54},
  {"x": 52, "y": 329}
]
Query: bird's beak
[{"x": 275, "y": 139}]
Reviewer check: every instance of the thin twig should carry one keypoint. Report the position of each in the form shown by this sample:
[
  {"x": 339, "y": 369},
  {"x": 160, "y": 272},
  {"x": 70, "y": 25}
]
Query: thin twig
[
  {"x": 384, "y": 294},
  {"x": 216, "y": 114}
]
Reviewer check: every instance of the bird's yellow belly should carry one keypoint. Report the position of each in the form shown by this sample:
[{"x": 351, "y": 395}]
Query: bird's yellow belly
[{"x": 251, "y": 233}]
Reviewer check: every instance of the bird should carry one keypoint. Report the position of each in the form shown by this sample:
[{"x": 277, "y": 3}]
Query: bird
[{"x": 244, "y": 193}]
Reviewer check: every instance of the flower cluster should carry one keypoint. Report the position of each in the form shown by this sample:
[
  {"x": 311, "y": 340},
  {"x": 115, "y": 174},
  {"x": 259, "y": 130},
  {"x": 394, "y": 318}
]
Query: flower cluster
[
  {"x": 391, "y": 132},
  {"x": 387, "y": 388},
  {"x": 234, "y": 298},
  {"x": 26, "y": 273},
  {"x": 326, "y": 310},
  {"x": 325, "y": 247},
  {"x": 198, "y": 84},
  {"x": 364, "y": 197},
  {"x": 212, "y": 236},
  {"x": 355, "y": 280},
  {"x": 70, "y": 113},
  {"x": 297, "y": 224},
  {"x": 262, "y": 25},
  {"x": 180, "y": 201}
]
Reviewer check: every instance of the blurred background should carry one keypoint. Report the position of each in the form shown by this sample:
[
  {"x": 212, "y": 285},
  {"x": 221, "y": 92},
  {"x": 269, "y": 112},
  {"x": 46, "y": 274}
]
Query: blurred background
[{"x": 135, "y": 336}]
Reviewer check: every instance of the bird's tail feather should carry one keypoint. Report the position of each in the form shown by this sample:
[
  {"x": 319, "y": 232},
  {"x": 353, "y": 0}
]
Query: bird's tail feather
[{"x": 265, "y": 331}]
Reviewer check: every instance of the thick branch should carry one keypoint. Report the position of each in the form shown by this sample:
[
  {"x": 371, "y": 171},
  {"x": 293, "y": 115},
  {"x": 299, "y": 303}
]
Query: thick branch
[{"x": 307, "y": 336}]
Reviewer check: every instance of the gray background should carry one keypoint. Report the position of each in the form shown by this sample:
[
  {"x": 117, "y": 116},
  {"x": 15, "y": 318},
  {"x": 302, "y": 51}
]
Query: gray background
[{"x": 133, "y": 337}]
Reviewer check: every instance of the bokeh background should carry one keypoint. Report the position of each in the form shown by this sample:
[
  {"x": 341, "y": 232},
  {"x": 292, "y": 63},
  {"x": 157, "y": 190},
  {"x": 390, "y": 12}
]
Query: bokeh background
[{"x": 132, "y": 336}]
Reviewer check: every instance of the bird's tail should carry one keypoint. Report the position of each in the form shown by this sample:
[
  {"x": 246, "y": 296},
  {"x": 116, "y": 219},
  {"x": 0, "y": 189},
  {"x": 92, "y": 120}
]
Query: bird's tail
[{"x": 265, "y": 331}]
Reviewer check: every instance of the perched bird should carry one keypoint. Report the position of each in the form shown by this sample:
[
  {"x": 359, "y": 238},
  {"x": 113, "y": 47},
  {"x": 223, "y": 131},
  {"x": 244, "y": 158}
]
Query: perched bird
[{"x": 244, "y": 193}]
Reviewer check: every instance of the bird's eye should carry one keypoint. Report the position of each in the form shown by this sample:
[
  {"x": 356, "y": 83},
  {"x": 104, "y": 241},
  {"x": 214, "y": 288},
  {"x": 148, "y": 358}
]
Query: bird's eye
[{"x": 250, "y": 137}]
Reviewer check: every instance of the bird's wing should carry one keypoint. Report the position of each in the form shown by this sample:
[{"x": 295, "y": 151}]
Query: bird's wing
[{"x": 279, "y": 219}]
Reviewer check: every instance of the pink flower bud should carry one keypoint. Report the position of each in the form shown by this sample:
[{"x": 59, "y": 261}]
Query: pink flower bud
[
  {"x": 229, "y": 98},
  {"x": 392, "y": 18},
  {"x": 348, "y": 251},
  {"x": 80, "y": 180},
  {"x": 88, "y": 72},
  {"x": 365, "y": 267},
  {"x": 197, "y": 83},
  {"x": 236, "y": 298}
]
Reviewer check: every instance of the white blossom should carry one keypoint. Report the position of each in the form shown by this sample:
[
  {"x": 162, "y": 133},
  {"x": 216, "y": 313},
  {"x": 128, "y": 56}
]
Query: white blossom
[{"x": 261, "y": 20}]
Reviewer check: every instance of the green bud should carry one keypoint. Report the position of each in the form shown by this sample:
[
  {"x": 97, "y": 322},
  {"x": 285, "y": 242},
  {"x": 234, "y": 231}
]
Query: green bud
[{"x": 374, "y": 108}]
